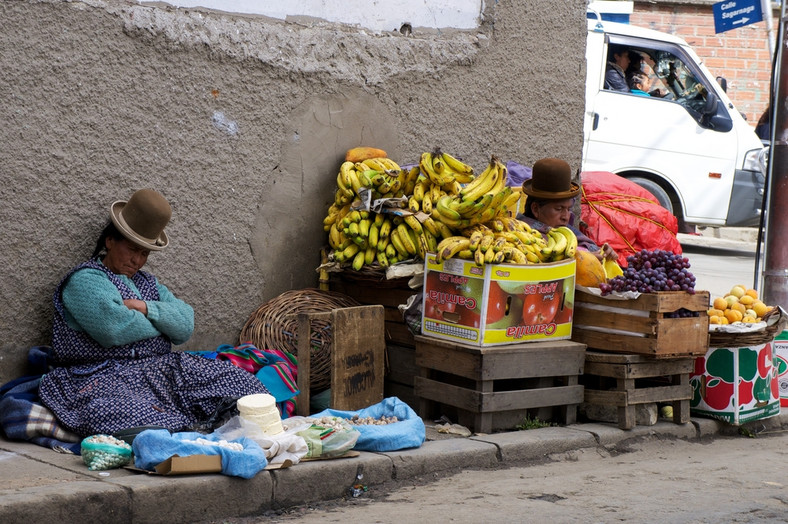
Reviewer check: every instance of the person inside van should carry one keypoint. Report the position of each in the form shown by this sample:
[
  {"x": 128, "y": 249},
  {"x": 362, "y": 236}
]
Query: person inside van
[
  {"x": 638, "y": 84},
  {"x": 617, "y": 64},
  {"x": 641, "y": 62}
]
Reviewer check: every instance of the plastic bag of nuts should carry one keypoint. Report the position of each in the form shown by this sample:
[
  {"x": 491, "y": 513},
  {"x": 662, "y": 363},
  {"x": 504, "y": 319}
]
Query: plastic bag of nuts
[{"x": 100, "y": 452}]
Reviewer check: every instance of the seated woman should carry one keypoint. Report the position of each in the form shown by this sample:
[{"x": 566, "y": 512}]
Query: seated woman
[
  {"x": 550, "y": 195},
  {"x": 114, "y": 326}
]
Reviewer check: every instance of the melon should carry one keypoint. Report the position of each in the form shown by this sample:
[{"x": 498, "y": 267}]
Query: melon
[{"x": 590, "y": 271}]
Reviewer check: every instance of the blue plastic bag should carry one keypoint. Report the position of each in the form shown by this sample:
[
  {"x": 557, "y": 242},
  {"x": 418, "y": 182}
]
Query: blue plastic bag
[
  {"x": 409, "y": 432},
  {"x": 154, "y": 446}
]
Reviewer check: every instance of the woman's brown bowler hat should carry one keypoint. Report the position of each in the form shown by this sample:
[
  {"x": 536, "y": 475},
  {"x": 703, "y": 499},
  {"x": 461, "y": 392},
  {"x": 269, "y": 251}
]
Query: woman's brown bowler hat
[
  {"x": 551, "y": 179},
  {"x": 142, "y": 219}
]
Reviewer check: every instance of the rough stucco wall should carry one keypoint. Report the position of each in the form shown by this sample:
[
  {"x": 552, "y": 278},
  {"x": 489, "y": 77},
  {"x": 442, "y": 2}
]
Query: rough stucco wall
[{"x": 241, "y": 123}]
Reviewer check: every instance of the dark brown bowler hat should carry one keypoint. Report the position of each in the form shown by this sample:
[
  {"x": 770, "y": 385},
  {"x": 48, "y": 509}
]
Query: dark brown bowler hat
[
  {"x": 142, "y": 219},
  {"x": 551, "y": 179}
]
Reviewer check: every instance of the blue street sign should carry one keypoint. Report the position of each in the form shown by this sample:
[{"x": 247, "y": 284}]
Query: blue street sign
[{"x": 733, "y": 14}]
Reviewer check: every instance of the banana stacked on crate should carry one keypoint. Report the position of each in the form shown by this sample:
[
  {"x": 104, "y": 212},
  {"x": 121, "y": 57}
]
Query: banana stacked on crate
[{"x": 449, "y": 211}]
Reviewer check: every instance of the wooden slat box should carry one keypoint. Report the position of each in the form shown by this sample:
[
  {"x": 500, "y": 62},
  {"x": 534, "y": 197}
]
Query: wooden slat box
[
  {"x": 642, "y": 325},
  {"x": 387, "y": 293},
  {"x": 495, "y": 387},
  {"x": 629, "y": 372}
]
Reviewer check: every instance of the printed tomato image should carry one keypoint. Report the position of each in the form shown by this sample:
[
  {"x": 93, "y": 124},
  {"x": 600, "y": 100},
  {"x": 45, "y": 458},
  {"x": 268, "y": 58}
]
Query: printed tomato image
[
  {"x": 498, "y": 303},
  {"x": 435, "y": 304},
  {"x": 541, "y": 308}
]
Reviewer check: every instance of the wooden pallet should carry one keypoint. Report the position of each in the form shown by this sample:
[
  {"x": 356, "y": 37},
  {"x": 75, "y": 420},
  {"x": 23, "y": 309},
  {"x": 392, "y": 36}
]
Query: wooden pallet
[
  {"x": 629, "y": 372},
  {"x": 495, "y": 387},
  {"x": 642, "y": 325}
]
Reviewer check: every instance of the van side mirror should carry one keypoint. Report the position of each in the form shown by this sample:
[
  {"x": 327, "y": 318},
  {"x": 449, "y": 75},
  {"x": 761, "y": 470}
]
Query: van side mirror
[
  {"x": 713, "y": 119},
  {"x": 723, "y": 83}
]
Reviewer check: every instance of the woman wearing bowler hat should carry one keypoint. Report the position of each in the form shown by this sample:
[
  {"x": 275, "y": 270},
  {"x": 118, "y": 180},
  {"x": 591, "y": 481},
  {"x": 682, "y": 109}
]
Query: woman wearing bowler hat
[
  {"x": 113, "y": 331},
  {"x": 550, "y": 197}
]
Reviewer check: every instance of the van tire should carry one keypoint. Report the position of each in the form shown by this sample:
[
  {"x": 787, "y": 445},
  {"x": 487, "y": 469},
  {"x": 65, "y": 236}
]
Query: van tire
[{"x": 655, "y": 189}]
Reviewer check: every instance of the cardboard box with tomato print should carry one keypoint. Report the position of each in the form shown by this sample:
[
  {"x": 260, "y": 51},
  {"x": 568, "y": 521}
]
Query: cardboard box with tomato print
[
  {"x": 736, "y": 384},
  {"x": 497, "y": 304}
]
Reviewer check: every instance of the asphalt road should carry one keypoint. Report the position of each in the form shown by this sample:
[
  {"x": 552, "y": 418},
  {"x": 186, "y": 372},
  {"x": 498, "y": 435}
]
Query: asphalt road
[
  {"x": 717, "y": 270},
  {"x": 728, "y": 479}
]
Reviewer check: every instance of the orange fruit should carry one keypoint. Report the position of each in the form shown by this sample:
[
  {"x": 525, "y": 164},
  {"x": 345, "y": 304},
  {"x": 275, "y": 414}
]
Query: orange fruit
[
  {"x": 738, "y": 306},
  {"x": 760, "y": 308},
  {"x": 752, "y": 293},
  {"x": 733, "y": 315},
  {"x": 720, "y": 303},
  {"x": 746, "y": 300}
]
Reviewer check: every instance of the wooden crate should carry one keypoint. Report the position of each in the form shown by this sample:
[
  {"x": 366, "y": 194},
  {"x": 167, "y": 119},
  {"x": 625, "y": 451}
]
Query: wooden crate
[
  {"x": 357, "y": 357},
  {"x": 387, "y": 293},
  {"x": 496, "y": 387},
  {"x": 642, "y": 325},
  {"x": 630, "y": 375}
]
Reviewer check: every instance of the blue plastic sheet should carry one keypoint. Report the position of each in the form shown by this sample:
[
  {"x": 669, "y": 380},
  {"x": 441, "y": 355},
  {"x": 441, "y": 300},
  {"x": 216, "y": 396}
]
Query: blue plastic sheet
[
  {"x": 154, "y": 446},
  {"x": 409, "y": 432}
]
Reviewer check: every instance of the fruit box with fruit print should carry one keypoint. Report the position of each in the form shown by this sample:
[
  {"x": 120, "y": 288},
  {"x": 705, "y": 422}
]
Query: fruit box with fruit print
[
  {"x": 736, "y": 384},
  {"x": 497, "y": 304}
]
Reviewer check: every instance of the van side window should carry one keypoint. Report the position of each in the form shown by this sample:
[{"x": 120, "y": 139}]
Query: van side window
[{"x": 662, "y": 72}]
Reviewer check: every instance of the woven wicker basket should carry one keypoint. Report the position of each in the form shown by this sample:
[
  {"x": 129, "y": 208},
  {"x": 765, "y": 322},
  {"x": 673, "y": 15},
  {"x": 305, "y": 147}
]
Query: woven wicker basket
[
  {"x": 275, "y": 324},
  {"x": 774, "y": 326}
]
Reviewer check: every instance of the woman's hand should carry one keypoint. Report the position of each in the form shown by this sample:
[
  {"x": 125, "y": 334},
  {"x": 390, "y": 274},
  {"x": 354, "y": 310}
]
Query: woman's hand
[
  {"x": 136, "y": 305},
  {"x": 606, "y": 253}
]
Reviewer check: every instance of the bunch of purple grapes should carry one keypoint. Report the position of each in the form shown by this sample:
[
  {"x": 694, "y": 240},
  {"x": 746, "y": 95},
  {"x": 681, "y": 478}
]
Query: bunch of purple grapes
[
  {"x": 650, "y": 271},
  {"x": 682, "y": 313}
]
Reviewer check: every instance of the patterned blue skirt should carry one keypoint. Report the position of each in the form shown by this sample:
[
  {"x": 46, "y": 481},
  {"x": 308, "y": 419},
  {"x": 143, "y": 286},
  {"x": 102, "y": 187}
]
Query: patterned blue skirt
[{"x": 178, "y": 391}]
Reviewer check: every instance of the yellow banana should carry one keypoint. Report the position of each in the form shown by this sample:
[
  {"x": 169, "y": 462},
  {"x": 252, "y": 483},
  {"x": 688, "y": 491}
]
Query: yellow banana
[
  {"x": 560, "y": 242},
  {"x": 547, "y": 250},
  {"x": 413, "y": 204},
  {"x": 396, "y": 241},
  {"x": 476, "y": 239},
  {"x": 383, "y": 243},
  {"x": 418, "y": 191},
  {"x": 363, "y": 227},
  {"x": 427, "y": 203},
  {"x": 392, "y": 252},
  {"x": 369, "y": 255},
  {"x": 456, "y": 165},
  {"x": 448, "y": 247},
  {"x": 445, "y": 230},
  {"x": 482, "y": 183},
  {"x": 465, "y": 254},
  {"x": 489, "y": 256},
  {"x": 358, "y": 261},
  {"x": 414, "y": 224},
  {"x": 486, "y": 242},
  {"x": 382, "y": 259},
  {"x": 445, "y": 209},
  {"x": 372, "y": 237},
  {"x": 350, "y": 251},
  {"x": 571, "y": 241},
  {"x": 389, "y": 163},
  {"x": 375, "y": 163},
  {"x": 430, "y": 225},
  {"x": 478, "y": 257},
  {"x": 334, "y": 236},
  {"x": 427, "y": 170},
  {"x": 385, "y": 230},
  {"x": 379, "y": 218},
  {"x": 406, "y": 240},
  {"x": 518, "y": 257}
]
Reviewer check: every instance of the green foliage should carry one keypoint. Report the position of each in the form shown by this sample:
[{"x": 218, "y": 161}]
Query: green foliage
[{"x": 533, "y": 423}]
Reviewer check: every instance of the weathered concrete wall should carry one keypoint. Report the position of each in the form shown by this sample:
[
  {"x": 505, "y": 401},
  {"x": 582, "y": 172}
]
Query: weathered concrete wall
[{"x": 241, "y": 122}]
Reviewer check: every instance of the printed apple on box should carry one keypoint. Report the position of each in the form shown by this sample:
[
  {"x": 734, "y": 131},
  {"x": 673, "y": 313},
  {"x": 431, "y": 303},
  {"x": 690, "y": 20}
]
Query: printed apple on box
[
  {"x": 737, "y": 384},
  {"x": 497, "y": 304}
]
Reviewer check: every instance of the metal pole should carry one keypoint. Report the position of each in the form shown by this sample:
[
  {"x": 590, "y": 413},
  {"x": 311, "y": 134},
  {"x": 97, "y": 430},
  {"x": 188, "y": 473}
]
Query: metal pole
[
  {"x": 775, "y": 275},
  {"x": 766, "y": 7}
]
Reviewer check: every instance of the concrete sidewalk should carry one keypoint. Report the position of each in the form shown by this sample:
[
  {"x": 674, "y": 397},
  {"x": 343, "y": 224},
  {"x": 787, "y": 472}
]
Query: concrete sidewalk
[{"x": 40, "y": 485}]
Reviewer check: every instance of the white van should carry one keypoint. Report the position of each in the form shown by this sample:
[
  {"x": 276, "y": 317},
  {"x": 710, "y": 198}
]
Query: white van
[{"x": 690, "y": 147}]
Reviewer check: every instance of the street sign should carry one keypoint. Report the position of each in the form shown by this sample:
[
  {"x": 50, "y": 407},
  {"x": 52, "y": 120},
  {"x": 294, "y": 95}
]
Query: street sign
[{"x": 733, "y": 14}]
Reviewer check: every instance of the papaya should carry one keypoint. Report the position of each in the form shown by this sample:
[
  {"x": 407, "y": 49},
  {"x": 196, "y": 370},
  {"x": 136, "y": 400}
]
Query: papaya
[
  {"x": 612, "y": 269},
  {"x": 361, "y": 153},
  {"x": 590, "y": 271}
]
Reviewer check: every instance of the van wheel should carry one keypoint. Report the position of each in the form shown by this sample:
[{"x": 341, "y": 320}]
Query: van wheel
[{"x": 655, "y": 189}]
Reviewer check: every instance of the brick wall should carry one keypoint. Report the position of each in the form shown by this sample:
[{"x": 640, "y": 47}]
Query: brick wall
[{"x": 740, "y": 55}]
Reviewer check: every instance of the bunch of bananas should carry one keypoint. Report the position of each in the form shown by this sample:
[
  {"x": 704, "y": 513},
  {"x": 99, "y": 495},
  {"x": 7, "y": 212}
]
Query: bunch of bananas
[
  {"x": 506, "y": 239},
  {"x": 450, "y": 211},
  {"x": 382, "y": 176},
  {"x": 363, "y": 238}
]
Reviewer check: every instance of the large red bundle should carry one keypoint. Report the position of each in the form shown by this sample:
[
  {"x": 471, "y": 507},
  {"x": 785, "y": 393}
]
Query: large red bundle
[{"x": 625, "y": 216}]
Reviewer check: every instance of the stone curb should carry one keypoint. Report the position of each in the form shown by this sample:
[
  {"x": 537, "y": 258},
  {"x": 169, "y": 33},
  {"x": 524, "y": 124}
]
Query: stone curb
[{"x": 43, "y": 486}]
